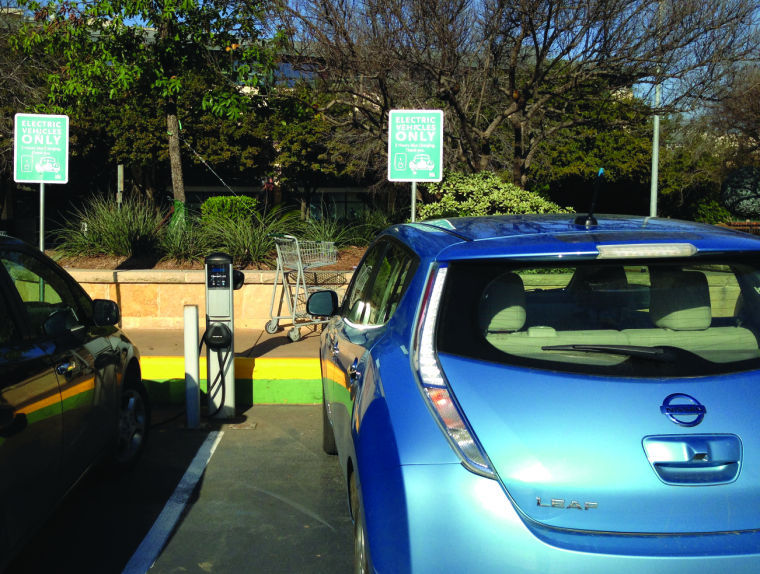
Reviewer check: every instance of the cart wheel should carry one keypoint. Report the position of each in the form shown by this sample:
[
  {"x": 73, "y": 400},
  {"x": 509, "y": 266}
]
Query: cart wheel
[
  {"x": 294, "y": 334},
  {"x": 272, "y": 326}
]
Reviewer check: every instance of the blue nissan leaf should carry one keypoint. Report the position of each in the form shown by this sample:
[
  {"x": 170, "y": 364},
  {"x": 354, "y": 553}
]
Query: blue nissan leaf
[{"x": 539, "y": 394}]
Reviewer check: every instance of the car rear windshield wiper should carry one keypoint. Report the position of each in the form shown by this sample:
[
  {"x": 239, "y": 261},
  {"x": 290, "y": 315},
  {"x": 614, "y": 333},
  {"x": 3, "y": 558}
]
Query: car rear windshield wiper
[{"x": 653, "y": 353}]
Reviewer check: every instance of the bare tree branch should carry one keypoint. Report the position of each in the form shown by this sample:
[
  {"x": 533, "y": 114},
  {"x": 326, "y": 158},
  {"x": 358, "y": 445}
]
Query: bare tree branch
[{"x": 497, "y": 66}]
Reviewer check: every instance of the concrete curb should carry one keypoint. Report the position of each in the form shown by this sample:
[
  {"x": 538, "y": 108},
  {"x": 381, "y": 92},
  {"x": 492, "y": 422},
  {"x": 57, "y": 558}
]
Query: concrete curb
[{"x": 258, "y": 381}]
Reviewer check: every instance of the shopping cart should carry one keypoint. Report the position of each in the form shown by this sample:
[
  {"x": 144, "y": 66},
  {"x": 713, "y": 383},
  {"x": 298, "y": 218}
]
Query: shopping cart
[{"x": 295, "y": 279}]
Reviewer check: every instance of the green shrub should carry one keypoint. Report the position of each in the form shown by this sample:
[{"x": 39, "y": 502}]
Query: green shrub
[
  {"x": 100, "y": 227},
  {"x": 481, "y": 194},
  {"x": 250, "y": 241},
  {"x": 337, "y": 231},
  {"x": 229, "y": 208},
  {"x": 368, "y": 226},
  {"x": 187, "y": 242},
  {"x": 710, "y": 211}
]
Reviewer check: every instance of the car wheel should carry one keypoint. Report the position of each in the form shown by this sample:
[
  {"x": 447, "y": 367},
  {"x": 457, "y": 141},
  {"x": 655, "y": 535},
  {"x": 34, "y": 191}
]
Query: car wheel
[
  {"x": 361, "y": 555},
  {"x": 134, "y": 424},
  {"x": 328, "y": 436}
]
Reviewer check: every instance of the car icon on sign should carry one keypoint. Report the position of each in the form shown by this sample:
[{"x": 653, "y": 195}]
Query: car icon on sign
[
  {"x": 47, "y": 164},
  {"x": 421, "y": 162}
]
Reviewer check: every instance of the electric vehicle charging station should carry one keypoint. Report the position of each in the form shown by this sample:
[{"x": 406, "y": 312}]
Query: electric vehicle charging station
[{"x": 221, "y": 281}]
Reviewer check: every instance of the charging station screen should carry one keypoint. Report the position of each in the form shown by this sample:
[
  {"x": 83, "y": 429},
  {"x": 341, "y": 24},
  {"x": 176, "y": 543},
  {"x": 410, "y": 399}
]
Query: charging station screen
[{"x": 218, "y": 277}]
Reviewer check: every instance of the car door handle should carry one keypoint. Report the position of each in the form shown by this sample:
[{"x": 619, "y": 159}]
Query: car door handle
[
  {"x": 332, "y": 343},
  {"x": 354, "y": 375},
  {"x": 66, "y": 368}
]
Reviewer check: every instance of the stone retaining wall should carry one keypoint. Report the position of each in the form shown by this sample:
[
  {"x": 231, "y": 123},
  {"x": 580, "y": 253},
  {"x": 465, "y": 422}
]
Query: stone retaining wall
[{"x": 155, "y": 299}]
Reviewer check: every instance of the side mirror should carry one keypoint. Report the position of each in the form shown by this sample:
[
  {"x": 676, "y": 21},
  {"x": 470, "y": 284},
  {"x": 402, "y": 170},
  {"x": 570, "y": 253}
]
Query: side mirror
[
  {"x": 322, "y": 304},
  {"x": 238, "y": 278},
  {"x": 105, "y": 313}
]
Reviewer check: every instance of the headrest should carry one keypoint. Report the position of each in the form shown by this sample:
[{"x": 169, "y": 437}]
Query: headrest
[
  {"x": 600, "y": 278},
  {"x": 502, "y": 306},
  {"x": 680, "y": 300}
]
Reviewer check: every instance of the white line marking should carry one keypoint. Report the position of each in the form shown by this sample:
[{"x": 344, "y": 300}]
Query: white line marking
[
  {"x": 295, "y": 505},
  {"x": 153, "y": 543}
]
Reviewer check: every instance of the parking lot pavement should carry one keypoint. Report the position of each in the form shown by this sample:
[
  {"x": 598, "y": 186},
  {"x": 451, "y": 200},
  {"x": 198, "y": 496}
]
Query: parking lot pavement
[{"x": 269, "y": 501}]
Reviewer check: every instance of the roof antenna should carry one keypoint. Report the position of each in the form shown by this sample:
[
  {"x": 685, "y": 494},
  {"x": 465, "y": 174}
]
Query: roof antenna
[{"x": 589, "y": 220}]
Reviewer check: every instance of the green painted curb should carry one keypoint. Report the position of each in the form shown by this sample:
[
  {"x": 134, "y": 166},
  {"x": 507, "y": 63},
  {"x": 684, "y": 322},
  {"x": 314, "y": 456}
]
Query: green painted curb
[{"x": 257, "y": 381}]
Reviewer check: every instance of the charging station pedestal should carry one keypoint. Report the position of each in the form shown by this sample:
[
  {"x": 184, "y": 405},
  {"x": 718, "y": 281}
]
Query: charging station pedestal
[{"x": 219, "y": 336}]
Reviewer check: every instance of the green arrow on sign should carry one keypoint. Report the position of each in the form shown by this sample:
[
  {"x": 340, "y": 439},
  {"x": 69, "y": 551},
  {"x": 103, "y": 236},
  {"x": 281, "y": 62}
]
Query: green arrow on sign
[{"x": 41, "y": 148}]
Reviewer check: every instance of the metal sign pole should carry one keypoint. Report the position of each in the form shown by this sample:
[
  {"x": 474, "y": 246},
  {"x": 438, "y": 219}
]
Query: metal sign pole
[
  {"x": 119, "y": 184},
  {"x": 42, "y": 217},
  {"x": 414, "y": 199}
]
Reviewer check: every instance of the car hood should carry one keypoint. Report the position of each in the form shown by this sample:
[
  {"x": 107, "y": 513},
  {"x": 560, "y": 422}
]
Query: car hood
[{"x": 590, "y": 453}]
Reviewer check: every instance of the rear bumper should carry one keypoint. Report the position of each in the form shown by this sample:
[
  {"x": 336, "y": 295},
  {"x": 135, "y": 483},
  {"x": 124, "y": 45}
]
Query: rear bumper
[{"x": 456, "y": 521}]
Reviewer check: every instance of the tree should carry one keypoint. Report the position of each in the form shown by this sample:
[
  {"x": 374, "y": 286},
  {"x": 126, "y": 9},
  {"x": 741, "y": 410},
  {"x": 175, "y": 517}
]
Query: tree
[
  {"x": 513, "y": 74},
  {"x": 126, "y": 49},
  {"x": 693, "y": 163},
  {"x": 309, "y": 153},
  {"x": 738, "y": 115},
  {"x": 22, "y": 86},
  {"x": 741, "y": 192},
  {"x": 616, "y": 138},
  {"x": 693, "y": 156}
]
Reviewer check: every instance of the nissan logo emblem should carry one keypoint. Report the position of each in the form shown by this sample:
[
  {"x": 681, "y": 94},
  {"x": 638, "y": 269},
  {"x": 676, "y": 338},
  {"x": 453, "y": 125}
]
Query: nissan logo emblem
[{"x": 683, "y": 409}]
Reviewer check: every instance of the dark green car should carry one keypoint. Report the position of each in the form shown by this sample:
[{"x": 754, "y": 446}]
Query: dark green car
[{"x": 71, "y": 393}]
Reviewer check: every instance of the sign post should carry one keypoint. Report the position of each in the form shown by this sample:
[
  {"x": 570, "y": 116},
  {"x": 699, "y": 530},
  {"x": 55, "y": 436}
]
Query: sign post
[
  {"x": 415, "y": 147},
  {"x": 41, "y": 154}
]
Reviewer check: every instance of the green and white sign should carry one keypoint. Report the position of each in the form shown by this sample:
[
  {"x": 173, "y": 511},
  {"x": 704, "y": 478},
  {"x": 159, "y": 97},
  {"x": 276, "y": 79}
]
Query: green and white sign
[
  {"x": 415, "y": 145},
  {"x": 41, "y": 148}
]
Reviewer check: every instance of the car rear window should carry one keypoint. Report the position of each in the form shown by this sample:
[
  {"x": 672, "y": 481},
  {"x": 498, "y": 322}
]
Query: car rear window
[{"x": 644, "y": 319}]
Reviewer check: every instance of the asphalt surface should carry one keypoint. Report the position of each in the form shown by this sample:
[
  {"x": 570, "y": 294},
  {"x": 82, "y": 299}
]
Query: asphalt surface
[
  {"x": 268, "y": 499},
  {"x": 271, "y": 501}
]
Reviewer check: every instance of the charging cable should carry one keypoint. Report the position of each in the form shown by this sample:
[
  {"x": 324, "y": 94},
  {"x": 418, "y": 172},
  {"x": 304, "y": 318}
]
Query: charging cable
[{"x": 217, "y": 338}]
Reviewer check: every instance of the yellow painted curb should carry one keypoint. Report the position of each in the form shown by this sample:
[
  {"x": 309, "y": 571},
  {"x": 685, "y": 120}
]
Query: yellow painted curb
[{"x": 160, "y": 368}]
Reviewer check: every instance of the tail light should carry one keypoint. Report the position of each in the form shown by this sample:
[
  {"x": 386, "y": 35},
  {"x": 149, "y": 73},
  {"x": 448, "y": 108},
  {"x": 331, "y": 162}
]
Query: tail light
[{"x": 435, "y": 387}]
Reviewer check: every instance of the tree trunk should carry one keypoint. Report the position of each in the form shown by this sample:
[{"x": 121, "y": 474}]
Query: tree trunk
[
  {"x": 7, "y": 213},
  {"x": 306, "y": 203},
  {"x": 519, "y": 152},
  {"x": 175, "y": 155},
  {"x": 391, "y": 200}
]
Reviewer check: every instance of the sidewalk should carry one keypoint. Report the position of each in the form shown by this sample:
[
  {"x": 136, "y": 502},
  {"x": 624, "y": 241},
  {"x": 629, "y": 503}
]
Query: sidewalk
[
  {"x": 269, "y": 369},
  {"x": 250, "y": 343}
]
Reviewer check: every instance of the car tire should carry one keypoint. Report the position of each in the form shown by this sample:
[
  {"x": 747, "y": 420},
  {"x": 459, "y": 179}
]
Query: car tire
[
  {"x": 134, "y": 424},
  {"x": 328, "y": 435},
  {"x": 361, "y": 552}
]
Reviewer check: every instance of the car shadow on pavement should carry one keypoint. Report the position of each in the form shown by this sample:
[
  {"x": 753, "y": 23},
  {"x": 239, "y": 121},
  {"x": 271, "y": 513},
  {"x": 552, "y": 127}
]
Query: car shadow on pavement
[{"x": 104, "y": 518}]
